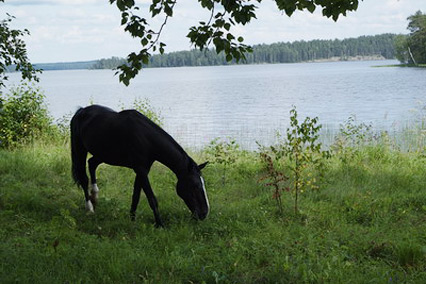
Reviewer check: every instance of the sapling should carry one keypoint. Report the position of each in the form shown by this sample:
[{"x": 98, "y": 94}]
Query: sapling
[{"x": 303, "y": 153}]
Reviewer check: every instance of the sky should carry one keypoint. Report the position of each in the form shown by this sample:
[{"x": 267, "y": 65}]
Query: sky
[{"x": 80, "y": 30}]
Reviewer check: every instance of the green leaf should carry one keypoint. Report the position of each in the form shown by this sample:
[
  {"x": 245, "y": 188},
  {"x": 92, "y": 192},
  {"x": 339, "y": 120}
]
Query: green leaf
[
  {"x": 168, "y": 10},
  {"x": 145, "y": 59},
  {"x": 121, "y": 5},
  {"x": 129, "y": 3},
  {"x": 155, "y": 12},
  {"x": 230, "y": 37},
  {"x": 124, "y": 18}
]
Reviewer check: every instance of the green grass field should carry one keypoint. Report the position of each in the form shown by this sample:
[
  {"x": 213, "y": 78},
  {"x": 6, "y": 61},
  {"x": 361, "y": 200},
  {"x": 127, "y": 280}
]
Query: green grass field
[{"x": 366, "y": 224}]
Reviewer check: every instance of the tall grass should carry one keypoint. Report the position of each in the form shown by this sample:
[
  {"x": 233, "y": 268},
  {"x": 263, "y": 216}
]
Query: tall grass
[{"x": 366, "y": 224}]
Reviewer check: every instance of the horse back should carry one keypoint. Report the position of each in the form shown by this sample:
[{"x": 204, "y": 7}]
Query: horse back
[{"x": 124, "y": 138}]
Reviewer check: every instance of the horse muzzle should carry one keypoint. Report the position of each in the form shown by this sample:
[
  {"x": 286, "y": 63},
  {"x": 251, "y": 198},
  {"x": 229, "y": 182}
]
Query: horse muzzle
[{"x": 200, "y": 215}]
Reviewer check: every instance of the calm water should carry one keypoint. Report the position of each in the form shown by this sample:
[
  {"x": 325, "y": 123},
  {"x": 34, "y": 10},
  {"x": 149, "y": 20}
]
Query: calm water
[{"x": 248, "y": 102}]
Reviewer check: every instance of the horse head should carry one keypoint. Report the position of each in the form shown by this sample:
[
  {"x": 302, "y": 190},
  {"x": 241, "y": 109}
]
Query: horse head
[{"x": 191, "y": 188}]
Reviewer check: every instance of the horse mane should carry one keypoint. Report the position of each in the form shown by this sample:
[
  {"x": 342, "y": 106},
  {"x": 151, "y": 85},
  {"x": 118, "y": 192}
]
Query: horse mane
[{"x": 170, "y": 139}]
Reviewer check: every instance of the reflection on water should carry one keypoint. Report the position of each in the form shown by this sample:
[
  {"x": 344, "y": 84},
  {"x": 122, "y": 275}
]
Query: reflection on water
[{"x": 248, "y": 102}]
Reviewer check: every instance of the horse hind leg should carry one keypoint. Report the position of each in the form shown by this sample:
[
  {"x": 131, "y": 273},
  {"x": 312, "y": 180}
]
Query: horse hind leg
[
  {"x": 93, "y": 164},
  {"x": 84, "y": 183},
  {"x": 89, "y": 204},
  {"x": 94, "y": 193}
]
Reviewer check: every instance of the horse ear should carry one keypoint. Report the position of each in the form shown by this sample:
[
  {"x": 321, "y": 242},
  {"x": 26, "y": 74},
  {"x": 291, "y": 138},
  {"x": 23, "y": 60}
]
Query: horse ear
[{"x": 203, "y": 165}]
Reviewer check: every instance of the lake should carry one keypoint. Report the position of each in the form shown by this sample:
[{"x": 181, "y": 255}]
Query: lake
[{"x": 248, "y": 102}]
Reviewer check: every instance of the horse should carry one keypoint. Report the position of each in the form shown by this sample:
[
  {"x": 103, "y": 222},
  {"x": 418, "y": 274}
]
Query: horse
[{"x": 130, "y": 139}]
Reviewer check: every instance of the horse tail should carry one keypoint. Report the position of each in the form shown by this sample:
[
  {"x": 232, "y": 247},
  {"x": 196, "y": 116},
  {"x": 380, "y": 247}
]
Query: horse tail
[{"x": 78, "y": 153}]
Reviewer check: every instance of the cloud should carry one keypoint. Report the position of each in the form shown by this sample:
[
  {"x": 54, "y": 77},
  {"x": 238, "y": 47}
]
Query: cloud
[
  {"x": 64, "y": 30},
  {"x": 51, "y": 2}
]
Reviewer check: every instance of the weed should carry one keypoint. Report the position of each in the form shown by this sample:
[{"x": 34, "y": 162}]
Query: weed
[
  {"x": 410, "y": 255},
  {"x": 222, "y": 152},
  {"x": 351, "y": 137},
  {"x": 63, "y": 124},
  {"x": 274, "y": 177}
]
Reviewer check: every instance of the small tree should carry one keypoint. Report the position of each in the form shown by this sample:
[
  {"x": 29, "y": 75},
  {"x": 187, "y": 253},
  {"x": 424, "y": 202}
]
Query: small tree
[
  {"x": 401, "y": 48},
  {"x": 412, "y": 48},
  {"x": 13, "y": 52},
  {"x": 417, "y": 38},
  {"x": 303, "y": 153}
]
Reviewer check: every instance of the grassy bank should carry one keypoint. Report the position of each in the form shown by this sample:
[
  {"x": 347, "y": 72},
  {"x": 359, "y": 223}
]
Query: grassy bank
[{"x": 365, "y": 224}]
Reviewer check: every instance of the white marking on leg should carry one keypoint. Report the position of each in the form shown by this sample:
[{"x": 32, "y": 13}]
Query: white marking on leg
[
  {"x": 95, "y": 191},
  {"x": 205, "y": 194},
  {"x": 89, "y": 206}
]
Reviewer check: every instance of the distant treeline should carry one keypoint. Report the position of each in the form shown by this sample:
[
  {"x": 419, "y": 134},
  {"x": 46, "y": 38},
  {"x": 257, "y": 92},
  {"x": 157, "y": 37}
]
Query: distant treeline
[
  {"x": 378, "y": 46},
  {"x": 66, "y": 65},
  {"x": 364, "y": 47},
  {"x": 286, "y": 52},
  {"x": 109, "y": 63}
]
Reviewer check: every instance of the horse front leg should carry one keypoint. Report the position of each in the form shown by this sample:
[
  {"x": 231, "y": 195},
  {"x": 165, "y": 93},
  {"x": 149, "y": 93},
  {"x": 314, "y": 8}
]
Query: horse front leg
[
  {"x": 135, "y": 197},
  {"x": 142, "y": 181}
]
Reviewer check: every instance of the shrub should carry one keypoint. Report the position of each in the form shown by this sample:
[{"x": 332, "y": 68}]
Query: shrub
[
  {"x": 303, "y": 155},
  {"x": 223, "y": 152},
  {"x": 23, "y": 116},
  {"x": 63, "y": 126},
  {"x": 274, "y": 177},
  {"x": 143, "y": 105}
]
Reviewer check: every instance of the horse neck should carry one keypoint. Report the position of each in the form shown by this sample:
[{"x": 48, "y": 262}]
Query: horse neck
[{"x": 176, "y": 160}]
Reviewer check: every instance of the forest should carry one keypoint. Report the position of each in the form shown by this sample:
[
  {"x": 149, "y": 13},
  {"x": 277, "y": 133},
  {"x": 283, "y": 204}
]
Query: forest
[
  {"x": 378, "y": 47},
  {"x": 65, "y": 65}
]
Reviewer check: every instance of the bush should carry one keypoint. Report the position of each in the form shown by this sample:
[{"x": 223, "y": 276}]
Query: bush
[
  {"x": 223, "y": 152},
  {"x": 304, "y": 156},
  {"x": 23, "y": 116},
  {"x": 143, "y": 105}
]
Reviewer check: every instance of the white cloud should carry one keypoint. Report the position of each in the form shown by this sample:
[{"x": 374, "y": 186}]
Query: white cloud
[{"x": 52, "y": 2}]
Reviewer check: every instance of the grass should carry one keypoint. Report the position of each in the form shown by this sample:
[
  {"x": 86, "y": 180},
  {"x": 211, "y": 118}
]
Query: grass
[{"x": 366, "y": 224}]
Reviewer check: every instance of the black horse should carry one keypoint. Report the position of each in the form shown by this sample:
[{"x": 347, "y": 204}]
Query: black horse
[{"x": 129, "y": 139}]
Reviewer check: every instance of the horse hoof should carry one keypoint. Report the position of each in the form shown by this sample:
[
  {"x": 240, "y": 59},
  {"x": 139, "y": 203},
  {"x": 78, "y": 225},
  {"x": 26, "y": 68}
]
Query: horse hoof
[
  {"x": 132, "y": 217},
  {"x": 159, "y": 225},
  {"x": 94, "y": 201},
  {"x": 89, "y": 207}
]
